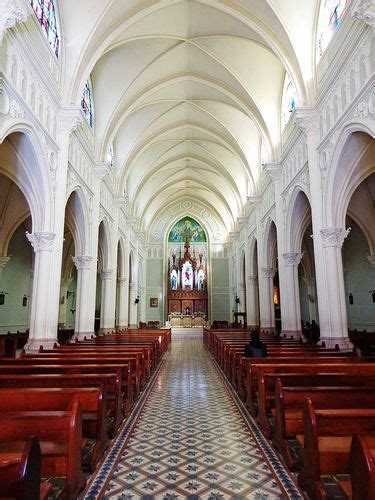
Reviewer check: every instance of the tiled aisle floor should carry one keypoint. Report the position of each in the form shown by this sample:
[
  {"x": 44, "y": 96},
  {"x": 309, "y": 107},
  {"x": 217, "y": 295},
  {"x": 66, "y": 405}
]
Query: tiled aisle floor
[{"x": 190, "y": 441}]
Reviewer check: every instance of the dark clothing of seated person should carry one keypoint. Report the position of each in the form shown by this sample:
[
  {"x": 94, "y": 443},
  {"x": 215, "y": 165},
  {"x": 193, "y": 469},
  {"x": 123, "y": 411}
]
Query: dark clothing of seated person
[{"x": 255, "y": 348}]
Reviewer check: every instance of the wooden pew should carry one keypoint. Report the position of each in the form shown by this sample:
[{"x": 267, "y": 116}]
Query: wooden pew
[
  {"x": 326, "y": 391},
  {"x": 60, "y": 438},
  {"x": 93, "y": 403},
  {"x": 325, "y": 443},
  {"x": 108, "y": 383},
  {"x": 362, "y": 468},
  {"x": 20, "y": 470}
]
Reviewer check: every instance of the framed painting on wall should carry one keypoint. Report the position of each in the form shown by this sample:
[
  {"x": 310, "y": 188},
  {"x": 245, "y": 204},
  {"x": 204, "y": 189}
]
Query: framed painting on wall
[{"x": 154, "y": 302}]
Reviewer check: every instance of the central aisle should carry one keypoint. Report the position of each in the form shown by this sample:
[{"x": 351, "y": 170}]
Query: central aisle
[{"x": 189, "y": 439}]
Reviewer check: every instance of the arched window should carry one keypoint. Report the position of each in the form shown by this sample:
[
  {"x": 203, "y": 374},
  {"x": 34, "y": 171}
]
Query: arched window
[
  {"x": 289, "y": 100},
  {"x": 46, "y": 14},
  {"x": 86, "y": 104},
  {"x": 330, "y": 15}
]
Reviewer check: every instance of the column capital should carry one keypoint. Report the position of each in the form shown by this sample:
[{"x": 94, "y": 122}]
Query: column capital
[
  {"x": 122, "y": 281},
  {"x": 292, "y": 259},
  {"x": 41, "y": 241},
  {"x": 253, "y": 279},
  {"x": 69, "y": 119},
  {"x": 11, "y": 13},
  {"x": 4, "y": 262},
  {"x": 370, "y": 258},
  {"x": 307, "y": 119},
  {"x": 106, "y": 274},
  {"x": 120, "y": 200},
  {"x": 101, "y": 170},
  {"x": 334, "y": 236},
  {"x": 273, "y": 170},
  {"x": 364, "y": 10},
  {"x": 269, "y": 272},
  {"x": 133, "y": 286},
  {"x": 82, "y": 262},
  {"x": 241, "y": 287}
]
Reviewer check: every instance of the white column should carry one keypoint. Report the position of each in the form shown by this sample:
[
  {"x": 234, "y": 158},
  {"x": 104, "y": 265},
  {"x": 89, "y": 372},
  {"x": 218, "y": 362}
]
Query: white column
[
  {"x": 332, "y": 301},
  {"x": 65, "y": 282},
  {"x": 242, "y": 296},
  {"x": 142, "y": 303},
  {"x": 43, "y": 324},
  {"x": 11, "y": 13},
  {"x": 327, "y": 245},
  {"x": 311, "y": 294},
  {"x": 122, "y": 304},
  {"x": 84, "y": 325},
  {"x": 292, "y": 323},
  {"x": 267, "y": 308},
  {"x": 107, "y": 313},
  {"x": 252, "y": 302},
  {"x": 133, "y": 306}
]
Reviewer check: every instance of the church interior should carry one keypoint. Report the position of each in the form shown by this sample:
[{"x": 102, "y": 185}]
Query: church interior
[{"x": 187, "y": 249}]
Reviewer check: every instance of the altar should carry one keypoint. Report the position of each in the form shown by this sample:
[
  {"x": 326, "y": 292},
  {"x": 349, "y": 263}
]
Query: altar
[{"x": 186, "y": 321}]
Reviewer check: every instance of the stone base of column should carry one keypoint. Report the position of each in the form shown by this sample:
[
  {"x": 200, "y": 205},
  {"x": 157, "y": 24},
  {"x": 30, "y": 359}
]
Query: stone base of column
[
  {"x": 292, "y": 334},
  {"x": 82, "y": 336},
  {"x": 105, "y": 331},
  {"x": 343, "y": 343},
  {"x": 33, "y": 345},
  {"x": 269, "y": 329},
  {"x": 253, "y": 327},
  {"x": 121, "y": 328},
  {"x": 133, "y": 326}
]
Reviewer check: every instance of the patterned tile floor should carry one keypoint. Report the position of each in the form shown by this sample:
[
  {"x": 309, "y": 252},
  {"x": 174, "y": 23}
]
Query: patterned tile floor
[{"x": 190, "y": 439}]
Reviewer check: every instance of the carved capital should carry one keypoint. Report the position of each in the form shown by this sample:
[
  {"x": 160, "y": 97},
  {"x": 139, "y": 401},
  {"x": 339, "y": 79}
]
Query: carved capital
[
  {"x": 364, "y": 10},
  {"x": 4, "y": 262},
  {"x": 269, "y": 272},
  {"x": 292, "y": 259},
  {"x": 11, "y": 13},
  {"x": 69, "y": 119},
  {"x": 133, "y": 286},
  {"x": 106, "y": 274},
  {"x": 370, "y": 258},
  {"x": 82, "y": 262},
  {"x": 101, "y": 170},
  {"x": 307, "y": 119},
  {"x": 253, "y": 280},
  {"x": 120, "y": 200},
  {"x": 41, "y": 241},
  {"x": 254, "y": 200},
  {"x": 274, "y": 170},
  {"x": 334, "y": 236},
  {"x": 122, "y": 281}
]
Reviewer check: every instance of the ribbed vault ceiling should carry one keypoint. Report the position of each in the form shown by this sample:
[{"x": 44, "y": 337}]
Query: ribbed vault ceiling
[{"x": 188, "y": 92}]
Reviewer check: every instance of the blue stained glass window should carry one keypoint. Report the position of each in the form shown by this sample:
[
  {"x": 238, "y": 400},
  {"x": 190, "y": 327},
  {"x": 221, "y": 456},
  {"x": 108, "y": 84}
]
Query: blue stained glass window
[
  {"x": 331, "y": 12},
  {"x": 46, "y": 14},
  {"x": 86, "y": 104},
  {"x": 289, "y": 100}
]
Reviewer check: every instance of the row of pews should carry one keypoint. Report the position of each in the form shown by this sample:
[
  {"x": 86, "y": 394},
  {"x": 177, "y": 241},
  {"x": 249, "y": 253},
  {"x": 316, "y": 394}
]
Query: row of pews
[
  {"x": 315, "y": 405},
  {"x": 60, "y": 408}
]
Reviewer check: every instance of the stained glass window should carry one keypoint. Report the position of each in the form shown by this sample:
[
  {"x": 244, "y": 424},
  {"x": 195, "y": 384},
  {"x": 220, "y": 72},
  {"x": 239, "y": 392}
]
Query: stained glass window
[
  {"x": 289, "y": 100},
  {"x": 331, "y": 12},
  {"x": 86, "y": 104},
  {"x": 46, "y": 14}
]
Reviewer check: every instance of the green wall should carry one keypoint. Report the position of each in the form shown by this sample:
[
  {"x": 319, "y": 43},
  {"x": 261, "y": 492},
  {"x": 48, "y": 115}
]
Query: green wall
[{"x": 16, "y": 283}]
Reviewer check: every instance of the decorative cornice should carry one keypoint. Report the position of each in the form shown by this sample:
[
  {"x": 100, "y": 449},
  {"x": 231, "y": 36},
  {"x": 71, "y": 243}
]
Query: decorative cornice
[
  {"x": 41, "y": 241},
  {"x": 307, "y": 119},
  {"x": 122, "y": 281},
  {"x": 82, "y": 262},
  {"x": 292, "y": 259},
  {"x": 364, "y": 10},
  {"x": 334, "y": 236},
  {"x": 11, "y": 13}
]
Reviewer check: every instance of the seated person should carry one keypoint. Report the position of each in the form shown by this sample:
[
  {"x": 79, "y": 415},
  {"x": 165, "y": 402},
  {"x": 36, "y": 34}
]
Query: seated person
[{"x": 255, "y": 348}]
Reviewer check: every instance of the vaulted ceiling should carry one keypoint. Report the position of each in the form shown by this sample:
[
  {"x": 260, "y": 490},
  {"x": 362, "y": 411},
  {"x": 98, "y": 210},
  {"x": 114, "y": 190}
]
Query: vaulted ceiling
[{"x": 188, "y": 92}]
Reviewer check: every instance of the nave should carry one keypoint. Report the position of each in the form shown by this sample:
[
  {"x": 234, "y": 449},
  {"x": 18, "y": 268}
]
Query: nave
[{"x": 190, "y": 437}]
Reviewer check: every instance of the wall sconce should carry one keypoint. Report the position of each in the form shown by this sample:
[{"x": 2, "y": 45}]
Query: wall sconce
[
  {"x": 351, "y": 298},
  {"x": 373, "y": 295},
  {"x": 136, "y": 300},
  {"x": 2, "y": 297},
  {"x": 24, "y": 300}
]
